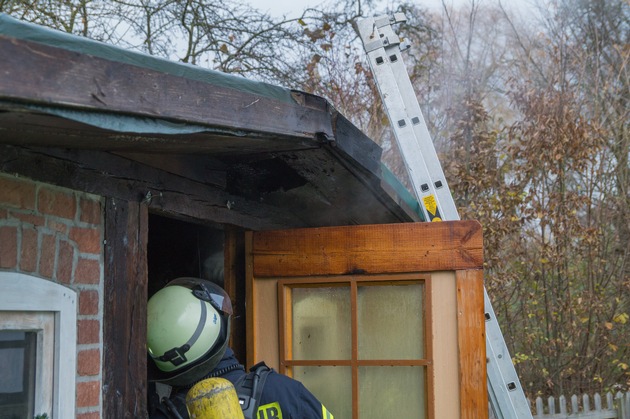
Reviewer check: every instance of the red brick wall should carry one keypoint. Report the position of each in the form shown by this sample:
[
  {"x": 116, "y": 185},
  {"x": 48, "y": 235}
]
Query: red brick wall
[{"x": 57, "y": 234}]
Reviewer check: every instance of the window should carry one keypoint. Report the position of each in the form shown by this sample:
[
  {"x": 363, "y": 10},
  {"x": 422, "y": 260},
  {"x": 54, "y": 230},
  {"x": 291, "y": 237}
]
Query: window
[
  {"x": 358, "y": 342},
  {"x": 37, "y": 347},
  {"x": 360, "y": 312},
  {"x": 17, "y": 363}
]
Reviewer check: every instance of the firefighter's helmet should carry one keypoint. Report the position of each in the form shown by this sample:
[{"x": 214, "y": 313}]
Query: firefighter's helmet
[{"x": 188, "y": 325}]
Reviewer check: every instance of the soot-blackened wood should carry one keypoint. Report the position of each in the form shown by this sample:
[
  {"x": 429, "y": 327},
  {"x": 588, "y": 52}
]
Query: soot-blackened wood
[
  {"x": 337, "y": 190},
  {"x": 200, "y": 168},
  {"x": 112, "y": 176},
  {"x": 387, "y": 248},
  {"x": 125, "y": 310},
  {"x": 352, "y": 141},
  {"x": 20, "y": 125},
  {"x": 47, "y": 75},
  {"x": 235, "y": 287}
]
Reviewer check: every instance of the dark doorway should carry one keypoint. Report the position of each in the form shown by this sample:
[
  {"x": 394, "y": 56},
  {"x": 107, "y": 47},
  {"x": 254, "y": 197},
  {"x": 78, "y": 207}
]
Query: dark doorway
[{"x": 178, "y": 248}]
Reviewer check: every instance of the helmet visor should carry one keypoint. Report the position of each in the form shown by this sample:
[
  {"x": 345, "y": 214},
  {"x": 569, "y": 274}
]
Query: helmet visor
[{"x": 207, "y": 291}]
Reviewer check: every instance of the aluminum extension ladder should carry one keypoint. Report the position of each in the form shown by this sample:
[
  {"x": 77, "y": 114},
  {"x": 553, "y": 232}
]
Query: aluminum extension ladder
[{"x": 384, "y": 47}]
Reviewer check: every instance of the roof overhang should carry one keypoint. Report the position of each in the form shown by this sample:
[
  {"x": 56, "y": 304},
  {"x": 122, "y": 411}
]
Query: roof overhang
[{"x": 60, "y": 91}]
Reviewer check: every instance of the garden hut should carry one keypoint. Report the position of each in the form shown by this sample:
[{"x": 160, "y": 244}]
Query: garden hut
[{"x": 120, "y": 171}]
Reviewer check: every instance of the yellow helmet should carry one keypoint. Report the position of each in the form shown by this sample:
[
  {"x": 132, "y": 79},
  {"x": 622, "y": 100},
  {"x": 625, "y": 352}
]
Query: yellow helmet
[{"x": 188, "y": 324}]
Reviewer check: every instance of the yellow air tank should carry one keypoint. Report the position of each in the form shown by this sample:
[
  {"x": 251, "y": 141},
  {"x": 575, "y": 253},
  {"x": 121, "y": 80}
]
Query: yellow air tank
[{"x": 213, "y": 398}]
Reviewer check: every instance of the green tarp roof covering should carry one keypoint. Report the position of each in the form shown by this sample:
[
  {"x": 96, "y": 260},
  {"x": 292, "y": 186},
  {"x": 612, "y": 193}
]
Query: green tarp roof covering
[{"x": 14, "y": 28}]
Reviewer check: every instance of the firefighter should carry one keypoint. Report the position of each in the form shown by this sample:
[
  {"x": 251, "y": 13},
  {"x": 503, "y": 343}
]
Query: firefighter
[{"x": 188, "y": 327}]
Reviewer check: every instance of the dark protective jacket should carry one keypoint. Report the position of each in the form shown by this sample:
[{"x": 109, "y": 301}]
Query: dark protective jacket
[{"x": 282, "y": 396}]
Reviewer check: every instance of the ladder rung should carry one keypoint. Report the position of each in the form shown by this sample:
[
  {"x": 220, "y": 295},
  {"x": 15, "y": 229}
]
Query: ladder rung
[{"x": 383, "y": 48}]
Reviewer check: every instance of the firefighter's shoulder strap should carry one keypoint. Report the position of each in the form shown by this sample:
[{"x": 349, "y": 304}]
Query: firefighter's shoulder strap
[{"x": 250, "y": 387}]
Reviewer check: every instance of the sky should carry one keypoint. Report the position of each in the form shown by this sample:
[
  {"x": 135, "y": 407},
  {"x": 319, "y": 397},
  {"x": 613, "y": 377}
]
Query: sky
[{"x": 293, "y": 8}]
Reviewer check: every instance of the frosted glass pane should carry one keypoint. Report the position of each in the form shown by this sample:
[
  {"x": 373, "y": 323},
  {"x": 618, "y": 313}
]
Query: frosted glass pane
[
  {"x": 392, "y": 392},
  {"x": 321, "y": 323},
  {"x": 391, "y": 321},
  {"x": 331, "y": 385}
]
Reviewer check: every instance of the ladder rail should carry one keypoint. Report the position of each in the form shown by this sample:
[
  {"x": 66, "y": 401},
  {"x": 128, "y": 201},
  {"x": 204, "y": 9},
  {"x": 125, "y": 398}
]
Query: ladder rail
[
  {"x": 395, "y": 88},
  {"x": 383, "y": 48}
]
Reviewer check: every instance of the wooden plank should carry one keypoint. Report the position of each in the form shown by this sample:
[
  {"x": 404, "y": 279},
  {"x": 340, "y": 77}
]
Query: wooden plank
[
  {"x": 285, "y": 331},
  {"x": 251, "y": 334},
  {"x": 125, "y": 310},
  {"x": 338, "y": 188},
  {"x": 200, "y": 168},
  {"x": 355, "y": 350},
  {"x": 429, "y": 321},
  {"x": 352, "y": 141},
  {"x": 471, "y": 338},
  {"x": 47, "y": 75},
  {"x": 111, "y": 176},
  {"x": 234, "y": 285},
  {"x": 21, "y": 125},
  {"x": 389, "y": 248}
]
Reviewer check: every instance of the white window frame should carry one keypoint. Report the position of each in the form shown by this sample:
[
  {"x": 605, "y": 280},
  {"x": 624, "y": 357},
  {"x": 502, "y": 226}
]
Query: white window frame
[{"x": 25, "y": 293}]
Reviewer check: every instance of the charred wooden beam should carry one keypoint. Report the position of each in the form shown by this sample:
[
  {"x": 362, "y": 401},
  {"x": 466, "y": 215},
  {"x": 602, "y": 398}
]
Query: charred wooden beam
[
  {"x": 124, "y": 307},
  {"x": 30, "y": 125},
  {"x": 46, "y": 75},
  {"x": 115, "y": 177}
]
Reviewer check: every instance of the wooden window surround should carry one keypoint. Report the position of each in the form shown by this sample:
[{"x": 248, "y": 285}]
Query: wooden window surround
[{"x": 446, "y": 257}]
